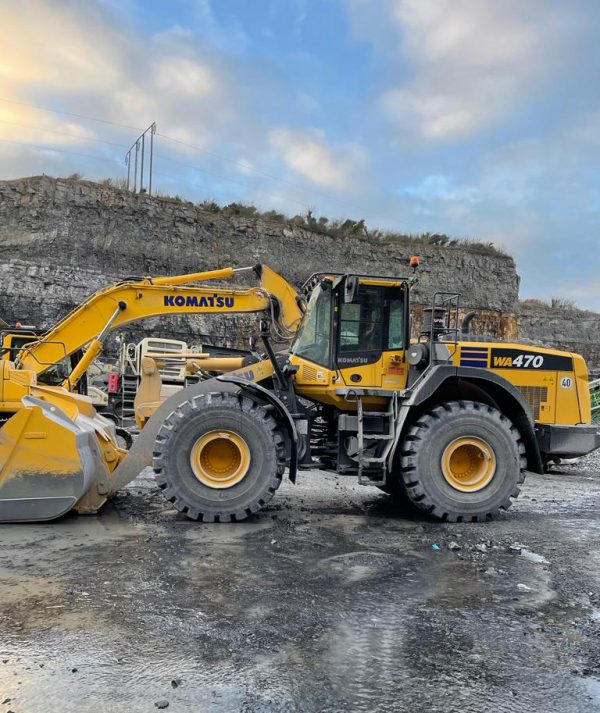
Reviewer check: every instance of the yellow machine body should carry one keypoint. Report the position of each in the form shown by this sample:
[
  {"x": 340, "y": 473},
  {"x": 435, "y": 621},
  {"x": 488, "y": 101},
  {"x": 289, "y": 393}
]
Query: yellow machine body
[
  {"x": 352, "y": 355},
  {"x": 556, "y": 394},
  {"x": 554, "y": 383}
]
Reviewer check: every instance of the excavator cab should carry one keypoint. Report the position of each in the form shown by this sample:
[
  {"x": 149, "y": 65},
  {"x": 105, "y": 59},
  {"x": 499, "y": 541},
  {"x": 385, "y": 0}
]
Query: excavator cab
[{"x": 15, "y": 340}]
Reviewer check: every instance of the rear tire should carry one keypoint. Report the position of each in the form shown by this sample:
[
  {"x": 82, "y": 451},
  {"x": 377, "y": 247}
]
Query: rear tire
[
  {"x": 177, "y": 467},
  {"x": 488, "y": 466}
]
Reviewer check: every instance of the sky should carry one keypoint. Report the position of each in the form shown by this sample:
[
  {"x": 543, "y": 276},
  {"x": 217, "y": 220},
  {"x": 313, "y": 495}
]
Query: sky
[{"x": 474, "y": 118}]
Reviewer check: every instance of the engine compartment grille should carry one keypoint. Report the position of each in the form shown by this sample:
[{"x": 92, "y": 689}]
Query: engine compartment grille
[
  {"x": 309, "y": 373},
  {"x": 535, "y": 397}
]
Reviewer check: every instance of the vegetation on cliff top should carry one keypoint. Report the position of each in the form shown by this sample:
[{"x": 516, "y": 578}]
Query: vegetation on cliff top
[
  {"x": 556, "y": 304},
  {"x": 321, "y": 225}
]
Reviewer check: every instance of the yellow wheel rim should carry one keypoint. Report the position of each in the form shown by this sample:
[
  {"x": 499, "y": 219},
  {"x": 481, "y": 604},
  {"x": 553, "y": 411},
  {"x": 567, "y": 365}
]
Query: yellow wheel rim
[
  {"x": 220, "y": 459},
  {"x": 468, "y": 464}
]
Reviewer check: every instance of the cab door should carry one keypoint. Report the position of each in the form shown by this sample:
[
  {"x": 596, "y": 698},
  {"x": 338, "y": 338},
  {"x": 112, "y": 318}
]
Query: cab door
[{"x": 371, "y": 337}]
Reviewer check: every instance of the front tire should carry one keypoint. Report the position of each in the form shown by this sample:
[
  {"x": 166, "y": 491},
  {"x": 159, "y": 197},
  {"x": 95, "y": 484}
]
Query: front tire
[
  {"x": 219, "y": 457},
  {"x": 462, "y": 461}
]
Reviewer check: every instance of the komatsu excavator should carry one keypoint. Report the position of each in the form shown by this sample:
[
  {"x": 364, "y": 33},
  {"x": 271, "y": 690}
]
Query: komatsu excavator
[{"x": 450, "y": 422}]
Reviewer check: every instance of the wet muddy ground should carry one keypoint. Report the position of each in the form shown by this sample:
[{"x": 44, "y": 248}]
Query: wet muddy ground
[{"x": 330, "y": 600}]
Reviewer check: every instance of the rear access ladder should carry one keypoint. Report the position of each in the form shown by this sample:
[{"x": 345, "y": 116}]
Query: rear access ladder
[{"x": 129, "y": 387}]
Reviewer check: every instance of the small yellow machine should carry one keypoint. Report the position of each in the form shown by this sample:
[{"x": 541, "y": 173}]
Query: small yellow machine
[{"x": 448, "y": 421}]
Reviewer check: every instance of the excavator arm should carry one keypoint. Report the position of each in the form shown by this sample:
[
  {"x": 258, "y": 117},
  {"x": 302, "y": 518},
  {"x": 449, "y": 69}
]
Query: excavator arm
[{"x": 133, "y": 300}]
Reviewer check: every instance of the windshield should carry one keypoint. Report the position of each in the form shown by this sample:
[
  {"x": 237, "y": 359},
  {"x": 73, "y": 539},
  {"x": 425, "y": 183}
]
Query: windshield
[{"x": 313, "y": 339}]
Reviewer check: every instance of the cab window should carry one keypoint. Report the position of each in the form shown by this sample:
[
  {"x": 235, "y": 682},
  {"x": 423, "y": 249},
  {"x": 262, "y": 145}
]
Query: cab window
[
  {"x": 373, "y": 322},
  {"x": 16, "y": 343},
  {"x": 313, "y": 341},
  {"x": 362, "y": 322},
  {"x": 395, "y": 338}
]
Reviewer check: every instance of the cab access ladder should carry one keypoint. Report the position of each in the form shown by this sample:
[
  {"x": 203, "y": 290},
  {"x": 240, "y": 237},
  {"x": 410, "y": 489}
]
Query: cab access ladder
[{"x": 374, "y": 446}]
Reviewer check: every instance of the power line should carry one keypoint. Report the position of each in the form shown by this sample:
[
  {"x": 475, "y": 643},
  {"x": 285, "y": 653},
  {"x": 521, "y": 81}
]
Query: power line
[
  {"x": 63, "y": 133},
  {"x": 70, "y": 113},
  {"x": 307, "y": 191},
  {"x": 111, "y": 160},
  {"x": 50, "y": 148},
  {"x": 224, "y": 159}
]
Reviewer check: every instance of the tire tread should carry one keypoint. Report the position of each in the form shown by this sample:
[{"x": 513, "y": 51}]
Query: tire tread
[
  {"x": 177, "y": 418},
  {"x": 417, "y": 438}
]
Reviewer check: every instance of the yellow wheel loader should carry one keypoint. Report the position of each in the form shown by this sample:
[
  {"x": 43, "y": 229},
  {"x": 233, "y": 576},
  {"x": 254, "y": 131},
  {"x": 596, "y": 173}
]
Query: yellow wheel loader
[{"x": 449, "y": 421}]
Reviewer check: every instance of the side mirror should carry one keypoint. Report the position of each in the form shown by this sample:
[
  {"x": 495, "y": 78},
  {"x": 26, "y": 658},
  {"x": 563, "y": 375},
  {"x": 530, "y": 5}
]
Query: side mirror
[{"x": 350, "y": 288}]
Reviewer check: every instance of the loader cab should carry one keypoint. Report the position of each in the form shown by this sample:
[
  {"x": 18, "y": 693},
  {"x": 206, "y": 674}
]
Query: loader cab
[{"x": 355, "y": 334}]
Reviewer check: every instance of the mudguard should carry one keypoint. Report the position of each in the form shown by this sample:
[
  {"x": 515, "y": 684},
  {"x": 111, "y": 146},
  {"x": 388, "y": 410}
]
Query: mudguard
[
  {"x": 435, "y": 378},
  {"x": 270, "y": 397},
  {"x": 140, "y": 454}
]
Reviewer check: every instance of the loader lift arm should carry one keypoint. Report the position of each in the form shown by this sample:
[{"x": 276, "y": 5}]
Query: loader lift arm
[{"x": 133, "y": 300}]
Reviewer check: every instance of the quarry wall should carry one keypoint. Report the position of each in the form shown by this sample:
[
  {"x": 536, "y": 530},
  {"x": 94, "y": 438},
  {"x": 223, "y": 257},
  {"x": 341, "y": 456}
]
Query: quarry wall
[{"x": 62, "y": 239}]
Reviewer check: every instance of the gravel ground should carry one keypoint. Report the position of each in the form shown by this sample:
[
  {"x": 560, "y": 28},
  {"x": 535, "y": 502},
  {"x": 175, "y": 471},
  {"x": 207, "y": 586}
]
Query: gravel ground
[{"x": 330, "y": 600}]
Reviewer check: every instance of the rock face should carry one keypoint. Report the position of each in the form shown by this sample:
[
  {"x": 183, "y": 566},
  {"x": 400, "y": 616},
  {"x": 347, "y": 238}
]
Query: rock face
[
  {"x": 60, "y": 240},
  {"x": 574, "y": 330}
]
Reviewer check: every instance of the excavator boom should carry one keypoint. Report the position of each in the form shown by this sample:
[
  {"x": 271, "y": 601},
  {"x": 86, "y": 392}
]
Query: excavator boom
[{"x": 130, "y": 301}]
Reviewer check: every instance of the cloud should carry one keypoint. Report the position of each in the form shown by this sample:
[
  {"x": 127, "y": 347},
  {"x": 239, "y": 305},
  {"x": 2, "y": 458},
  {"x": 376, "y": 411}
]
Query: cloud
[
  {"x": 43, "y": 45},
  {"x": 471, "y": 61},
  {"x": 83, "y": 58},
  {"x": 309, "y": 155},
  {"x": 538, "y": 197},
  {"x": 229, "y": 37},
  {"x": 76, "y": 57}
]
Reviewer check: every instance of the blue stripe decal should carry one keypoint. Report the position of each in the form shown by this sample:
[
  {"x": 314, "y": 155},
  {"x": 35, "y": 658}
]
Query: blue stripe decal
[{"x": 473, "y": 362}]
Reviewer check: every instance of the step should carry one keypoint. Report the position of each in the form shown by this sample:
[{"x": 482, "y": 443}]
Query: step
[
  {"x": 368, "y": 459},
  {"x": 366, "y": 479}
]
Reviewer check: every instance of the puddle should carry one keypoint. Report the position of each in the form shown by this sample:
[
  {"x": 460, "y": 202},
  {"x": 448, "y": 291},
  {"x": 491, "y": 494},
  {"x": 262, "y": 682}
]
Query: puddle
[{"x": 334, "y": 608}]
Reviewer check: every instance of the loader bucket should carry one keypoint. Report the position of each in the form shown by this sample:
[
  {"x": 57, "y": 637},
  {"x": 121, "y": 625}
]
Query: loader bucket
[{"x": 49, "y": 461}]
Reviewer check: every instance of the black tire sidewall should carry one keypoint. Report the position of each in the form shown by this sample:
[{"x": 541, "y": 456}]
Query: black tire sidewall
[
  {"x": 487, "y": 424},
  {"x": 262, "y": 472}
]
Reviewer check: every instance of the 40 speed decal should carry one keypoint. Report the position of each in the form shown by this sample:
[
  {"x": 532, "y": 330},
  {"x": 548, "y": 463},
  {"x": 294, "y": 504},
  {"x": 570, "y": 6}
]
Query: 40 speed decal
[{"x": 536, "y": 361}]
